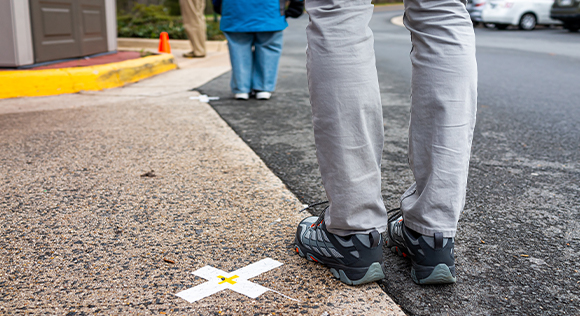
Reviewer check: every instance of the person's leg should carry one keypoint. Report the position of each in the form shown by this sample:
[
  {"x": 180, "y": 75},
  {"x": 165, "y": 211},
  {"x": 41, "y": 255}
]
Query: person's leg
[
  {"x": 348, "y": 131},
  {"x": 194, "y": 24},
  {"x": 240, "y": 48},
  {"x": 346, "y": 113},
  {"x": 267, "y": 52},
  {"x": 443, "y": 108}
]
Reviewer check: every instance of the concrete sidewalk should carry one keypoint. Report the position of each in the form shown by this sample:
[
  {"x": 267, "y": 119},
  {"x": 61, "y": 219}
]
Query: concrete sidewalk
[{"x": 112, "y": 199}]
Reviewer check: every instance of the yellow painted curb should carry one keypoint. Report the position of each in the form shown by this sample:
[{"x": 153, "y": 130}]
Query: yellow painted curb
[{"x": 32, "y": 83}]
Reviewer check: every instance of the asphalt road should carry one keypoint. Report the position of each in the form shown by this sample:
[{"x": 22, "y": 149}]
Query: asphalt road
[{"x": 518, "y": 244}]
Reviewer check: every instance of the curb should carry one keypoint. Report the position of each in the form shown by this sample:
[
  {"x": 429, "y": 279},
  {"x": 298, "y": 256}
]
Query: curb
[{"x": 32, "y": 83}]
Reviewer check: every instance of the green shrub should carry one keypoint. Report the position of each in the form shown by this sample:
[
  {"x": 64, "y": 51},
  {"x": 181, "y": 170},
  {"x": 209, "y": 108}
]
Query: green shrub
[
  {"x": 213, "y": 31},
  {"x": 173, "y": 6},
  {"x": 149, "y": 21}
]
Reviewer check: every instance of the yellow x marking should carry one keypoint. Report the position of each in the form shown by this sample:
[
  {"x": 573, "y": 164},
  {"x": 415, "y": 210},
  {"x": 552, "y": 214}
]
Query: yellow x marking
[{"x": 230, "y": 280}]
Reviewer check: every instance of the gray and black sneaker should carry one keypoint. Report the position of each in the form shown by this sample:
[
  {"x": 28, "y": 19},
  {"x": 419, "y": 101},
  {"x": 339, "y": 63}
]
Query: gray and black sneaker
[
  {"x": 432, "y": 257},
  {"x": 354, "y": 260}
]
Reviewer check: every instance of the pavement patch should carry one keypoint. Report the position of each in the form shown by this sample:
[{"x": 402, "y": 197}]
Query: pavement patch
[{"x": 84, "y": 233}]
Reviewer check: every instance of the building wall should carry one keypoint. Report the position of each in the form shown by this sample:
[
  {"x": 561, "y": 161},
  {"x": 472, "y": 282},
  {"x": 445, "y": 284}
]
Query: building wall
[
  {"x": 16, "y": 45},
  {"x": 15, "y": 34}
]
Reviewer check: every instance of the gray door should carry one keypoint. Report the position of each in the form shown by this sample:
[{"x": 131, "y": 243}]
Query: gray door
[
  {"x": 67, "y": 28},
  {"x": 93, "y": 28}
]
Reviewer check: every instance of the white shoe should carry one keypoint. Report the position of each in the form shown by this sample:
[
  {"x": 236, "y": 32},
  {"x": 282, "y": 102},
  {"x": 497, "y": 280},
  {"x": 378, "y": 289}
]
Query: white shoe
[
  {"x": 263, "y": 95},
  {"x": 242, "y": 96}
]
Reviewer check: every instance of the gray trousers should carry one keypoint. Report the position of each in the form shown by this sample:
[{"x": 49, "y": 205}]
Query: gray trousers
[{"x": 348, "y": 120}]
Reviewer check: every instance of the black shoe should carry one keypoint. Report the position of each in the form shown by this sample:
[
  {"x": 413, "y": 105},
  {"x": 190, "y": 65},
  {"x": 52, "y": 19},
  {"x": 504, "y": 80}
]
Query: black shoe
[
  {"x": 432, "y": 257},
  {"x": 192, "y": 55},
  {"x": 354, "y": 260}
]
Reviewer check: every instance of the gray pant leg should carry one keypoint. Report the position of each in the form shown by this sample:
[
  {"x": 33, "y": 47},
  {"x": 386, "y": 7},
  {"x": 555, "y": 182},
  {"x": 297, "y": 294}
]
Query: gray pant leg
[
  {"x": 346, "y": 113},
  {"x": 443, "y": 108}
]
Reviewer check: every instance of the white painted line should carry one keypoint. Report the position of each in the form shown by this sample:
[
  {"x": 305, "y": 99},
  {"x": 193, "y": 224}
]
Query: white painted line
[{"x": 237, "y": 281}]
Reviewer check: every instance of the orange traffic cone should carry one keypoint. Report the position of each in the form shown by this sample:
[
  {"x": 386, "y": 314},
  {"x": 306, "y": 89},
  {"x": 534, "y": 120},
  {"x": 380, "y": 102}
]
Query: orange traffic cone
[{"x": 164, "y": 46}]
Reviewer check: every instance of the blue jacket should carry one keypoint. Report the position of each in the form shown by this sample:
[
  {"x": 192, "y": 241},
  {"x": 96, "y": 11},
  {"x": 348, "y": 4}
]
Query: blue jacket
[{"x": 252, "y": 15}]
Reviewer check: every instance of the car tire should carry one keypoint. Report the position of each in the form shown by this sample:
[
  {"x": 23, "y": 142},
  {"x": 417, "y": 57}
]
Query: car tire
[
  {"x": 501, "y": 26},
  {"x": 572, "y": 28},
  {"x": 528, "y": 22}
]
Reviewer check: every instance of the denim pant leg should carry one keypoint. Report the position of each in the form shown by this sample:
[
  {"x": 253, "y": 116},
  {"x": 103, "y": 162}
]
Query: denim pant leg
[
  {"x": 241, "y": 58},
  {"x": 267, "y": 52},
  {"x": 443, "y": 109},
  {"x": 346, "y": 113}
]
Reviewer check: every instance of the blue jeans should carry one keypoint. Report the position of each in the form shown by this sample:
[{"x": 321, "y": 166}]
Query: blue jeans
[{"x": 257, "y": 68}]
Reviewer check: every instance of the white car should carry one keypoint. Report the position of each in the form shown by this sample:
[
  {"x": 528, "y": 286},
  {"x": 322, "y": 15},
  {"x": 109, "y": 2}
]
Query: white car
[
  {"x": 474, "y": 7},
  {"x": 525, "y": 14}
]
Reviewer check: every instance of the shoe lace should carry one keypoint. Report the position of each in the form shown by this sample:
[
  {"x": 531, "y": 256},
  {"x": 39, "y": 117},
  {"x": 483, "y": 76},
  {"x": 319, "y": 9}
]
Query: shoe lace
[
  {"x": 321, "y": 215},
  {"x": 394, "y": 214}
]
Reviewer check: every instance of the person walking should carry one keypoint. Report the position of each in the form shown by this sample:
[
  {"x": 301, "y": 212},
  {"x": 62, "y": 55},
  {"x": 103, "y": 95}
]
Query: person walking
[
  {"x": 192, "y": 12},
  {"x": 254, "y": 30},
  {"x": 348, "y": 130}
]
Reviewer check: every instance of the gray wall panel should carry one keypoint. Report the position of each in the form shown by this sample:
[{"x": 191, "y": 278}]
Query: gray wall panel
[
  {"x": 15, "y": 34},
  {"x": 111, "y": 13}
]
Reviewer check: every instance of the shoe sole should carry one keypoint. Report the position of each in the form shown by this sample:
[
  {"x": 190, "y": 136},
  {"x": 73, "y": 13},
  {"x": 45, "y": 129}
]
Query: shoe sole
[
  {"x": 374, "y": 271},
  {"x": 441, "y": 273}
]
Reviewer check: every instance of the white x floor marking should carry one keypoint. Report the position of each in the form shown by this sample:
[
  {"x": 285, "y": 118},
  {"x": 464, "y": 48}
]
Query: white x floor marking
[{"x": 219, "y": 280}]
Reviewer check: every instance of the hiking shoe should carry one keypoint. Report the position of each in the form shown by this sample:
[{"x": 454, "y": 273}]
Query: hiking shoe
[
  {"x": 432, "y": 257},
  {"x": 354, "y": 260}
]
